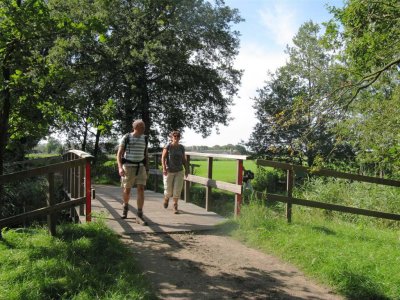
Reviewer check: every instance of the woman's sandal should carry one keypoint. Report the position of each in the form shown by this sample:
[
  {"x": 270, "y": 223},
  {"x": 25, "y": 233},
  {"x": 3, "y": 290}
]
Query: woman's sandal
[
  {"x": 176, "y": 208},
  {"x": 166, "y": 201}
]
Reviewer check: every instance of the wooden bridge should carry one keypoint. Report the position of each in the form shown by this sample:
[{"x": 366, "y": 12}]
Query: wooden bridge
[
  {"x": 86, "y": 201},
  {"x": 107, "y": 204}
]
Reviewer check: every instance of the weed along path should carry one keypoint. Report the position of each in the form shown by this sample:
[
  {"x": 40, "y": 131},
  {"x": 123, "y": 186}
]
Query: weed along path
[{"x": 185, "y": 258}]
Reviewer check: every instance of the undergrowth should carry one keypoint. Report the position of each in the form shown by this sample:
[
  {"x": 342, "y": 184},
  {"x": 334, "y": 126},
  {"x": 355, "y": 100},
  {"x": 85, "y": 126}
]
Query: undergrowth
[{"x": 85, "y": 261}]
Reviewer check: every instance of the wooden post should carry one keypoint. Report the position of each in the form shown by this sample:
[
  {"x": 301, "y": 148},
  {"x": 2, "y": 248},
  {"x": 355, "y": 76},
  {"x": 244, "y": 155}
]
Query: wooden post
[
  {"x": 51, "y": 218},
  {"x": 239, "y": 181},
  {"x": 81, "y": 188},
  {"x": 187, "y": 183},
  {"x": 208, "y": 188},
  {"x": 88, "y": 185},
  {"x": 155, "y": 175},
  {"x": 289, "y": 188}
]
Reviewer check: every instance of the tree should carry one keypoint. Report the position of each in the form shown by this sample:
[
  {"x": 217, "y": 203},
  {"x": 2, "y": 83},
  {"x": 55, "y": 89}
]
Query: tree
[
  {"x": 294, "y": 120},
  {"x": 369, "y": 33},
  {"x": 173, "y": 62},
  {"x": 366, "y": 36},
  {"x": 26, "y": 35}
]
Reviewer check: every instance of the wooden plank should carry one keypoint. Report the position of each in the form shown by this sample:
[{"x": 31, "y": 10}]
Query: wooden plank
[
  {"x": 186, "y": 193},
  {"x": 59, "y": 167},
  {"x": 239, "y": 182},
  {"x": 215, "y": 155},
  {"x": 289, "y": 189},
  {"x": 41, "y": 212},
  {"x": 230, "y": 187},
  {"x": 329, "y": 173},
  {"x": 335, "y": 207},
  {"x": 209, "y": 188},
  {"x": 51, "y": 217},
  {"x": 228, "y": 156}
]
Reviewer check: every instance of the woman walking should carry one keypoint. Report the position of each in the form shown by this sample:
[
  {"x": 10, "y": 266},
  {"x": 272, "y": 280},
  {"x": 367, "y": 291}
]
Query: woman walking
[{"x": 173, "y": 161}]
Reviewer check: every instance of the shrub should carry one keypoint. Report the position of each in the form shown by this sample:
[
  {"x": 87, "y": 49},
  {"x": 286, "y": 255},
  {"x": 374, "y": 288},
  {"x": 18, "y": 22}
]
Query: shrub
[{"x": 267, "y": 179}]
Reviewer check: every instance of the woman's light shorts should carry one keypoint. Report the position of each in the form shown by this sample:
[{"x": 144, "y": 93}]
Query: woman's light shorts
[
  {"x": 173, "y": 184},
  {"x": 130, "y": 178}
]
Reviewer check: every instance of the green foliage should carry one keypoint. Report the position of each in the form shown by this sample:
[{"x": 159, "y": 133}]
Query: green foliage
[
  {"x": 371, "y": 33},
  {"x": 82, "y": 262},
  {"x": 105, "y": 171},
  {"x": 356, "y": 261},
  {"x": 24, "y": 195},
  {"x": 295, "y": 120},
  {"x": 268, "y": 180},
  {"x": 26, "y": 34}
]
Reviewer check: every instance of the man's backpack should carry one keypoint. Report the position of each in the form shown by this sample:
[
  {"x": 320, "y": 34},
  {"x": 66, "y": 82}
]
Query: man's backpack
[{"x": 137, "y": 163}]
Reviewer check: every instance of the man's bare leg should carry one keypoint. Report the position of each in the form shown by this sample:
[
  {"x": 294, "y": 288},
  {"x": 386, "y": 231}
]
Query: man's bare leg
[{"x": 125, "y": 197}]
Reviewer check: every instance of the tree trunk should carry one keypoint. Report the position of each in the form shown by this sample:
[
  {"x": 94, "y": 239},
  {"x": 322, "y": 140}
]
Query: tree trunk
[
  {"x": 4, "y": 119},
  {"x": 96, "y": 146},
  {"x": 144, "y": 99},
  {"x": 85, "y": 137}
]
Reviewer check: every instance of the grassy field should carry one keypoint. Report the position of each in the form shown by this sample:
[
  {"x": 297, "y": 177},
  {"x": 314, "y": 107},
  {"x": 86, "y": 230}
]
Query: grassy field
[
  {"x": 223, "y": 170},
  {"x": 85, "y": 261},
  {"x": 359, "y": 262}
]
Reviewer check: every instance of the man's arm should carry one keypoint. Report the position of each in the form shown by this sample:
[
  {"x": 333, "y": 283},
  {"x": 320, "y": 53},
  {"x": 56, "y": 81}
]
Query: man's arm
[{"x": 120, "y": 152}]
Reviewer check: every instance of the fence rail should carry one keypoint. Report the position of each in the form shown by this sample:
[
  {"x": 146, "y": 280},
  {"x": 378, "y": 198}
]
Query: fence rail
[
  {"x": 290, "y": 177},
  {"x": 75, "y": 171}
]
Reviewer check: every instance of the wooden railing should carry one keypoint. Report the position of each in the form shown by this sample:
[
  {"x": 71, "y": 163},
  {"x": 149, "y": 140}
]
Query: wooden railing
[
  {"x": 75, "y": 170},
  {"x": 290, "y": 177},
  {"x": 208, "y": 182}
]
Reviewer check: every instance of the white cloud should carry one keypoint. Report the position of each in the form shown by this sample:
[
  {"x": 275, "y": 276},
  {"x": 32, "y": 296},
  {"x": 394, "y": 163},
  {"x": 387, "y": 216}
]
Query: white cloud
[
  {"x": 279, "y": 22},
  {"x": 255, "y": 61}
]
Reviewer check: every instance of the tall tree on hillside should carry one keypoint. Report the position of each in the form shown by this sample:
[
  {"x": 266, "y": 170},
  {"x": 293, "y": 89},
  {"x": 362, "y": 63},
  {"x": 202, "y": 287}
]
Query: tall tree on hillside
[
  {"x": 173, "y": 62},
  {"x": 26, "y": 35},
  {"x": 294, "y": 122}
]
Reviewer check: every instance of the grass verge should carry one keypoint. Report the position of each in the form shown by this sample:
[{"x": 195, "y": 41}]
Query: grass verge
[
  {"x": 358, "y": 262},
  {"x": 85, "y": 261}
]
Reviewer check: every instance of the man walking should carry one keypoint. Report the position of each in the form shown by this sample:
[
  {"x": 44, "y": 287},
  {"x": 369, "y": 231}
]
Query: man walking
[{"x": 132, "y": 158}]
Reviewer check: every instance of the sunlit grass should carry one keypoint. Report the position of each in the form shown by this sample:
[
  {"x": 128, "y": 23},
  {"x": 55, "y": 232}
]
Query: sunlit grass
[
  {"x": 223, "y": 170},
  {"x": 357, "y": 261},
  {"x": 82, "y": 262}
]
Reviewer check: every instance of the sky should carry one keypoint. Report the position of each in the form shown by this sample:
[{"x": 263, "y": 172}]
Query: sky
[{"x": 268, "y": 28}]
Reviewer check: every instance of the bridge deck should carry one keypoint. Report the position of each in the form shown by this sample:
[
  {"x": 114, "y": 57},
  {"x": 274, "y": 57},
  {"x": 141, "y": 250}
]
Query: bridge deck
[{"x": 191, "y": 217}]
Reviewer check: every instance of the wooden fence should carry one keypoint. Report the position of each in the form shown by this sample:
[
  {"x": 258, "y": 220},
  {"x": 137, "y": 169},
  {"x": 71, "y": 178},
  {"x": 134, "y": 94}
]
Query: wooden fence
[
  {"x": 75, "y": 170},
  {"x": 290, "y": 177},
  {"x": 208, "y": 182}
]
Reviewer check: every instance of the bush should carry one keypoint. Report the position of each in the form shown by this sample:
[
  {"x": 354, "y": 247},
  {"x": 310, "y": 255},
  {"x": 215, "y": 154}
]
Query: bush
[{"x": 267, "y": 179}]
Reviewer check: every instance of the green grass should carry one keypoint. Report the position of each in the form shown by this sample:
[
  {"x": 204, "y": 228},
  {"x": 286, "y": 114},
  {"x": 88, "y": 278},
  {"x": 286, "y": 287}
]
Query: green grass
[
  {"x": 357, "y": 261},
  {"x": 82, "y": 262},
  {"x": 223, "y": 170}
]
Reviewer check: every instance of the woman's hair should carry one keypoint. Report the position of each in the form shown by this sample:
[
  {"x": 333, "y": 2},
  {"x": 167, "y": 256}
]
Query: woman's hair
[{"x": 174, "y": 132}]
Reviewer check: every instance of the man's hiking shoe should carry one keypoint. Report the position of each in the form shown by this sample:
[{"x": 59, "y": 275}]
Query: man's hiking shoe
[
  {"x": 166, "y": 201},
  {"x": 140, "y": 219},
  {"x": 125, "y": 209},
  {"x": 176, "y": 211}
]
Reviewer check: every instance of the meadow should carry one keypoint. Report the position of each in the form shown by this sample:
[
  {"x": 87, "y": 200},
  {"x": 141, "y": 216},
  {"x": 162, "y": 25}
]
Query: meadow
[{"x": 223, "y": 170}]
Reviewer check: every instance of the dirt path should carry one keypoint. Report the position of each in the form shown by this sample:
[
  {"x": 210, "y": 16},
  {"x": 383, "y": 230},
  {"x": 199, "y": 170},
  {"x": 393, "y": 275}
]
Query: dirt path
[{"x": 207, "y": 266}]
